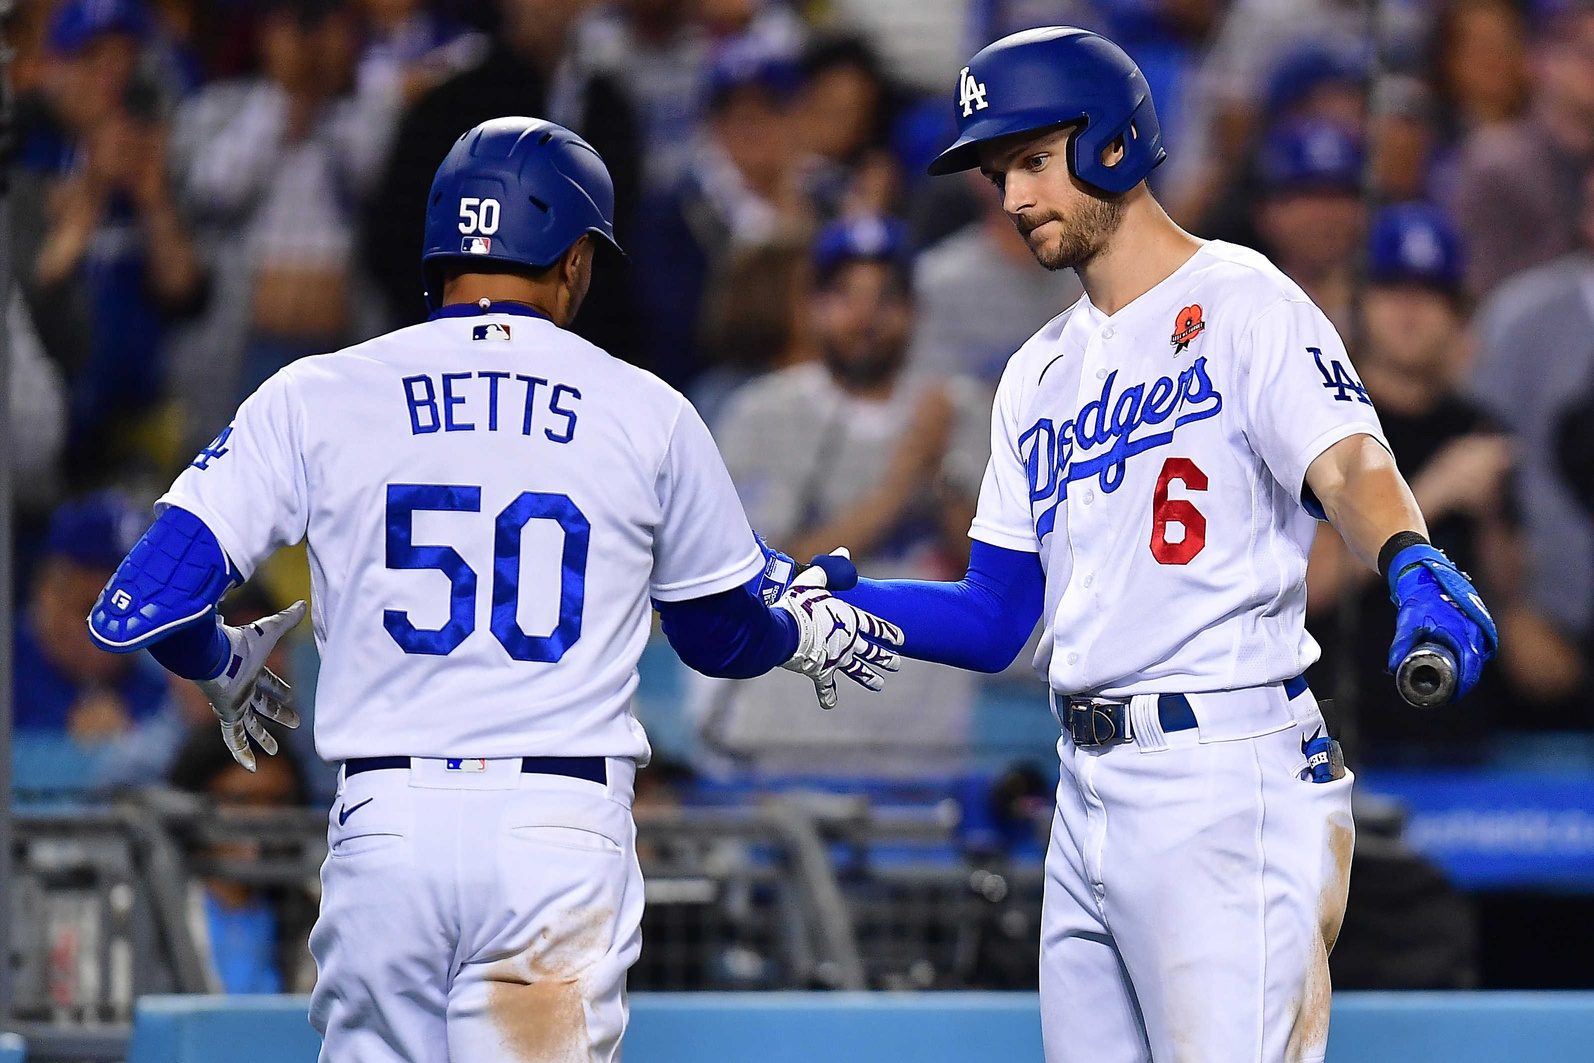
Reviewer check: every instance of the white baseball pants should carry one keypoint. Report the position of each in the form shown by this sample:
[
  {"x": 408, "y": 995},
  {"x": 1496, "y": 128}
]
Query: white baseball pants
[
  {"x": 1194, "y": 887},
  {"x": 477, "y": 916}
]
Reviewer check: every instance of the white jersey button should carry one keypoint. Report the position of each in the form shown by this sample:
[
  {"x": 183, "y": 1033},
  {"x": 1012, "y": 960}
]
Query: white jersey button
[
  {"x": 1101, "y": 374},
  {"x": 1108, "y": 332},
  {"x": 1090, "y": 495},
  {"x": 1089, "y": 579},
  {"x": 1073, "y": 658}
]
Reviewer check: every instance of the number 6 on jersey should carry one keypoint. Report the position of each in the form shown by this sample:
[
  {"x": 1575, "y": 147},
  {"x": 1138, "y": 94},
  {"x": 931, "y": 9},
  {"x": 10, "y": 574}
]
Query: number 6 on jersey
[{"x": 1179, "y": 511}]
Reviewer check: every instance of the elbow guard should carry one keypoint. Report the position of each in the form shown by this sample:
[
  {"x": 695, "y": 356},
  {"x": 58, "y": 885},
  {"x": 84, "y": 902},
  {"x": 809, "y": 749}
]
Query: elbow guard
[{"x": 173, "y": 577}]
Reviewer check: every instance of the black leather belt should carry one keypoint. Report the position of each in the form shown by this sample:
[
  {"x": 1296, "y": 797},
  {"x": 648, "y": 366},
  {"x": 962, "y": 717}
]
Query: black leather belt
[
  {"x": 592, "y": 769},
  {"x": 1103, "y": 723}
]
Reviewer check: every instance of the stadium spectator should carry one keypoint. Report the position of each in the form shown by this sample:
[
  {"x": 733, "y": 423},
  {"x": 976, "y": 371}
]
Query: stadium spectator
[
  {"x": 37, "y": 411},
  {"x": 524, "y": 72},
  {"x": 1457, "y": 460},
  {"x": 856, "y": 449},
  {"x": 252, "y": 940},
  {"x": 1478, "y": 64},
  {"x": 410, "y": 48},
  {"x": 270, "y": 166},
  {"x": 1519, "y": 183},
  {"x": 843, "y": 113},
  {"x": 1534, "y": 365},
  {"x": 113, "y": 250},
  {"x": 659, "y": 52},
  {"x": 1310, "y": 214},
  {"x": 750, "y": 322},
  {"x": 1407, "y": 149},
  {"x": 62, "y": 683},
  {"x": 743, "y": 187},
  {"x": 1271, "y": 61},
  {"x": 980, "y": 296},
  {"x": 1314, "y": 82}
]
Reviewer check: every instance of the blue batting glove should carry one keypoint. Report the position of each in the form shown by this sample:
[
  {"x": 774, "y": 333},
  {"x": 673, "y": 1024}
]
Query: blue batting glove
[
  {"x": 780, "y": 569},
  {"x": 1436, "y": 602}
]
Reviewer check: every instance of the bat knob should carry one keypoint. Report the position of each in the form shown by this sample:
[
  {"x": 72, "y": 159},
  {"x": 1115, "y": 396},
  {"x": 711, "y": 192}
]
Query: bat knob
[{"x": 1427, "y": 677}]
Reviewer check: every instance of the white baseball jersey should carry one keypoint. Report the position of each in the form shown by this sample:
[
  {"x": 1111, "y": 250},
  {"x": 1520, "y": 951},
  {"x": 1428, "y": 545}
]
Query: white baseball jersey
[
  {"x": 489, "y": 501},
  {"x": 1156, "y": 459}
]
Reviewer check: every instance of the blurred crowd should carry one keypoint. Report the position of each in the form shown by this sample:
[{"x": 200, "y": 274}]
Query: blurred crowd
[{"x": 206, "y": 191}]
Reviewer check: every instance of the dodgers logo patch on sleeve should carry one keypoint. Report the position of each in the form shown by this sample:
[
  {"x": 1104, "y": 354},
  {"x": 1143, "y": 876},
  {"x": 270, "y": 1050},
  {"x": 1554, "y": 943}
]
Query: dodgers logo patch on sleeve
[{"x": 490, "y": 331}]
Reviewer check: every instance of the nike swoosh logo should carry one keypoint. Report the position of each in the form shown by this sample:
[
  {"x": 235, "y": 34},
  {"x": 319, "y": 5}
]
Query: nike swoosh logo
[
  {"x": 345, "y": 812},
  {"x": 1304, "y": 742}
]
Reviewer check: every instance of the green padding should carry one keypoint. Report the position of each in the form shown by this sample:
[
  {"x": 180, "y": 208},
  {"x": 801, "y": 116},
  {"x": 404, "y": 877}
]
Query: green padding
[{"x": 922, "y": 1027}]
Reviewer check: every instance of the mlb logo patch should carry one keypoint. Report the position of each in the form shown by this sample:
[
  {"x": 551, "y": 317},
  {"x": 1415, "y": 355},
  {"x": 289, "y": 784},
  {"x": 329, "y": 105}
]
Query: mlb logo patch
[
  {"x": 490, "y": 331},
  {"x": 473, "y": 765},
  {"x": 476, "y": 245}
]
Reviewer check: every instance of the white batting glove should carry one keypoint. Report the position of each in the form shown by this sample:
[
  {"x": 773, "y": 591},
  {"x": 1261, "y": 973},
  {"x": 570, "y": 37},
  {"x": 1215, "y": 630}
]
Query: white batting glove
[
  {"x": 246, "y": 689},
  {"x": 833, "y": 637}
]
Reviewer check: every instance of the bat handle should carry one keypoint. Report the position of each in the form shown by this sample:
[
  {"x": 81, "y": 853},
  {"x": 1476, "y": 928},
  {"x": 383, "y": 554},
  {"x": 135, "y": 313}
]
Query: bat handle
[{"x": 1427, "y": 677}]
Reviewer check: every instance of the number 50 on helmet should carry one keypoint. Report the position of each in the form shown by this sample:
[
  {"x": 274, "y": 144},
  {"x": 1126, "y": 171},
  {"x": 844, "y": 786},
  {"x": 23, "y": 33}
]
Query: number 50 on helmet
[
  {"x": 516, "y": 191},
  {"x": 1045, "y": 78}
]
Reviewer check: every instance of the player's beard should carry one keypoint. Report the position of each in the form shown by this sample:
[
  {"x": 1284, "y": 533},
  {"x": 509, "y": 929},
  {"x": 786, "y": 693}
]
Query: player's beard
[{"x": 1081, "y": 236}]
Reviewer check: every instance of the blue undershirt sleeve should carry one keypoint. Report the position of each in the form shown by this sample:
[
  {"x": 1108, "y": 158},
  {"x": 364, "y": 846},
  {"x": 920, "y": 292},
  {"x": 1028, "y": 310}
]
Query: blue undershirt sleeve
[
  {"x": 730, "y": 635},
  {"x": 198, "y": 651},
  {"x": 981, "y": 622}
]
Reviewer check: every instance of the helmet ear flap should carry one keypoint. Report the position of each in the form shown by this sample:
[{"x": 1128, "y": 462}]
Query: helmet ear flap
[{"x": 1095, "y": 144}]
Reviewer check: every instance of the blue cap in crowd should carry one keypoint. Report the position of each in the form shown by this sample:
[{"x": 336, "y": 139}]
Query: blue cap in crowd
[
  {"x": 78, "y": 23},
  {"x": 1308, "y": 68},
  {"x": 1312, "y": 155},
  {"x": 95, "y": 531},
  {"x": 870, "y": 238},
  {"x": 1415, "y": 243},
  {"x": 745, "y": 63}
]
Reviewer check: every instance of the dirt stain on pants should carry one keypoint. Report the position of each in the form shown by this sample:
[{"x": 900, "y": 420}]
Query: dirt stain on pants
[
  {"x": 1309, "y": 1037},
  {"x": 537, "y": 999}
]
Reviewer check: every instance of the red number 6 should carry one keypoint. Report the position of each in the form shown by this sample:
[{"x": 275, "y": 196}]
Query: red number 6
[{"x": 1166, "y": 511}]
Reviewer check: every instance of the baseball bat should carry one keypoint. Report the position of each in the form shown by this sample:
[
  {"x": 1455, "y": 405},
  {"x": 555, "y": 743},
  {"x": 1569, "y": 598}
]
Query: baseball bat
[{"x": 1427, "y": 677}]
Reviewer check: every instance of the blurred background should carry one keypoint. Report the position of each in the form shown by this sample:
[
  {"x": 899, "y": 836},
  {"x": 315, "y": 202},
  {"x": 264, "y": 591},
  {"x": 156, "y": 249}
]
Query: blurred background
[{"x": 201, "y": 191}]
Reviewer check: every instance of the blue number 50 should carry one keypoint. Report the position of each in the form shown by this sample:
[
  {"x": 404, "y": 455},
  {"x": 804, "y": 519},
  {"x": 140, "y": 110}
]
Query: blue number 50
[{"x": 404, "y": 500}]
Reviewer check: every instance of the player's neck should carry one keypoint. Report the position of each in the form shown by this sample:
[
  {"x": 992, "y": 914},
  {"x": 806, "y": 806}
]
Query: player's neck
[
  {"x": 1145, "y": 250},
  {"x": 546, "y": 297}
]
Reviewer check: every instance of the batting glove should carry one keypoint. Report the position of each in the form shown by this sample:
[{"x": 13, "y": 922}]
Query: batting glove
[
  {"x": 246, "y": 689},
  {"x": 1435, "y": 601},
  {"x": 833, "y": 636}
]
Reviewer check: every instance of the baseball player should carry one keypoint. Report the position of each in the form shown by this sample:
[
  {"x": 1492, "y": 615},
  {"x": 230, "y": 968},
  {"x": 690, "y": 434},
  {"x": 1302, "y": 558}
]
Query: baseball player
[
  {"x": 1161, "y": 453},
  {"x": 489, "y": 503}
]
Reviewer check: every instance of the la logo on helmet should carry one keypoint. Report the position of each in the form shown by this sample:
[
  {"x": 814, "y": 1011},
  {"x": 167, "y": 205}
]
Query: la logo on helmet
[{"x": 971, "y": 93}]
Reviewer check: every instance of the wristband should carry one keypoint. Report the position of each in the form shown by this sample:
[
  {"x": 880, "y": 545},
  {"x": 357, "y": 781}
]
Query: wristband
[{"x": 1397, "y": 542}]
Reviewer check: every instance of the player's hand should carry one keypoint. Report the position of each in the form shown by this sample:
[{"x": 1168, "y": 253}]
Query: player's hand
[
  {"x": 833, "y": 636},
  {"x": 246, "y": 690},
  {"x": 1437, "y": 602}
]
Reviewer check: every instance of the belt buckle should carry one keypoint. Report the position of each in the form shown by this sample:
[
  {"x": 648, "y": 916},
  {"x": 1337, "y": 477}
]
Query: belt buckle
[{"x": 1093, "y": 722}]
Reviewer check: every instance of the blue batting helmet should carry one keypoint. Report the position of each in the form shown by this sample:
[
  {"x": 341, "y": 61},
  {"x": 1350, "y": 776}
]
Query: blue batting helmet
[
  {"x": 1041, "y": 78},
  {"x": 517, "y": 191}
]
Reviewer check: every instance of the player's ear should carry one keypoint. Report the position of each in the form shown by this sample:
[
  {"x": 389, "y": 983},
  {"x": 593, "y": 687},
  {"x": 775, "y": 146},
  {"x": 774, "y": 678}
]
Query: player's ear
[{"x": 575, "y": 273}]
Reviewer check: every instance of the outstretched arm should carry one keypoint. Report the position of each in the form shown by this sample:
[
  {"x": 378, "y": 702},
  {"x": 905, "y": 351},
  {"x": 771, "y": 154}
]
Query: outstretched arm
[
  {"x": 735, "y": 635},
  {"x": 163, "y": 598},
  {"x": 1366, "y": 499},
  {"x": 980, "y": 622}
]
